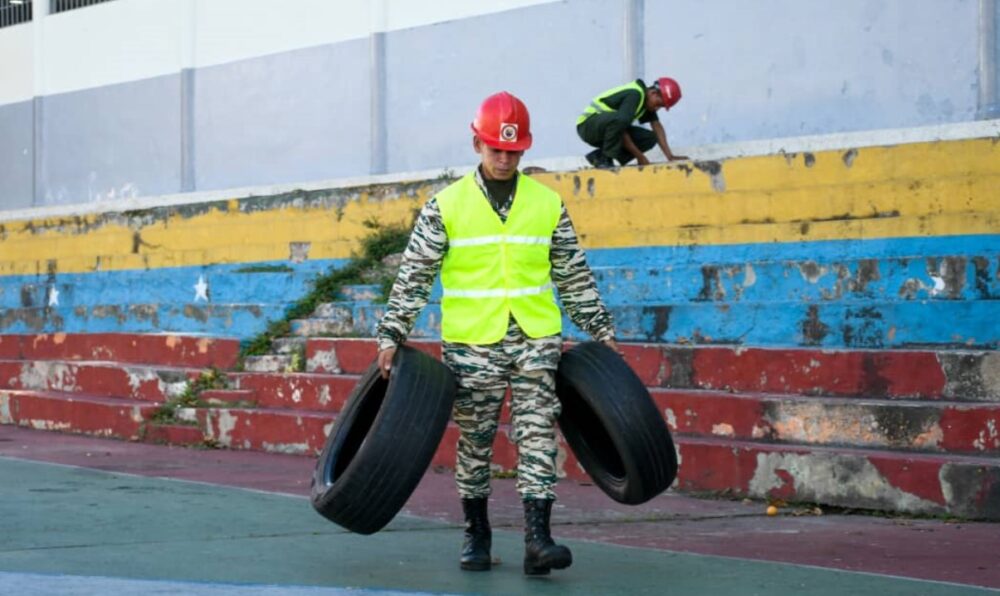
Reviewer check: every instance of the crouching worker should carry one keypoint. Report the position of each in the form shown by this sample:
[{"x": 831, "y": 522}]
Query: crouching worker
[
  {"x": 607, "y": 123},
  {"x": 501, "y": 241}
]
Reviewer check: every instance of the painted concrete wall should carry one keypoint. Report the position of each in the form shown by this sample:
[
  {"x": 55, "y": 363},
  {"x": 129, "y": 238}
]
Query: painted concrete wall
[
  {"x": 873, "y": 248},
  {"x": 786, "y": 68},
  {"x": 17, "y": 155},
  {"x": 284, "y": 95},
  {"x": 300, "y": 115},
  {"x": 138, "y": 128}
]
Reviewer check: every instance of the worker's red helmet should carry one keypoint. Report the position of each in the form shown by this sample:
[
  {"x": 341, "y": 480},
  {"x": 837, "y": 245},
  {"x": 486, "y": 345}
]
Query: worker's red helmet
[
  {"x": 669, "y": 90},
  {"x": 502, "y": 122}
]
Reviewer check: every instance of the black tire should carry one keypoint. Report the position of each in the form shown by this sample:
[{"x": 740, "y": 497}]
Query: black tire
[
  {"x": 383, "y": 441},
  {"x": 612, "y": 425}
]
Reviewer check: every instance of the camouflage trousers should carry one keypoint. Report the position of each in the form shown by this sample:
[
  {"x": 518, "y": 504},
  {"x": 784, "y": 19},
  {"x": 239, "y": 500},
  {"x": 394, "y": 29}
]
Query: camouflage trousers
[{"x": 483, "y": 373}]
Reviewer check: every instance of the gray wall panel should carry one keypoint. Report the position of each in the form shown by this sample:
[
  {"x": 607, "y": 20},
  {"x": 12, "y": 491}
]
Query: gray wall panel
[
  {"x": 111, "y": 142},
  {"x": 778, "y": 68},
  {"x": 16, "y": 156},
  {"x": 297, "y": 116},
  {"x": 749, "y": 70},
  {"x": 554, "y": 56}
]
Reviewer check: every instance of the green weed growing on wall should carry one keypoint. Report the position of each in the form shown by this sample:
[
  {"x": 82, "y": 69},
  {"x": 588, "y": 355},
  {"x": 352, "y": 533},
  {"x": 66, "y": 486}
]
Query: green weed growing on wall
[{"x": 381, "y": 241}]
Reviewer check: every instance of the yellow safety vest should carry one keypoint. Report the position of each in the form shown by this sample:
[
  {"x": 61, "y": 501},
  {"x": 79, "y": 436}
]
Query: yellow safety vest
[
  {"x": 598, "y": 105},
  {"x": 496, "y": 269}
]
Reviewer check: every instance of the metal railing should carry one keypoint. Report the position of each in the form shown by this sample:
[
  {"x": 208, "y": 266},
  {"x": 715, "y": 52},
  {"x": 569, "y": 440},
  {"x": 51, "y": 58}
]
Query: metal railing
[
  {"x": 64, "y": 5},
  {"x": 14, "y": 12}
]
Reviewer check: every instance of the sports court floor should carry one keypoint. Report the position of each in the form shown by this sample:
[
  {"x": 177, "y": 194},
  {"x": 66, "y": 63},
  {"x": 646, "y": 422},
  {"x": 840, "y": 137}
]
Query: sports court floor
[{"x": 91, "y": 516}]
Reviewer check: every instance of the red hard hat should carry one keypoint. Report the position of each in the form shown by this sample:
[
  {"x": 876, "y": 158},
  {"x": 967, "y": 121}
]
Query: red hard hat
[
  {"x": 502, "y": 122},
  {"x": 670, "y": 91}
]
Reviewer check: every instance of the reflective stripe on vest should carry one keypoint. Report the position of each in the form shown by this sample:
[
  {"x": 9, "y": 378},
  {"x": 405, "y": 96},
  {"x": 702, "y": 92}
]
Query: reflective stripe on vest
[
  {"x": 494, "y": 270},
  {"x": 597, "y": 104}
]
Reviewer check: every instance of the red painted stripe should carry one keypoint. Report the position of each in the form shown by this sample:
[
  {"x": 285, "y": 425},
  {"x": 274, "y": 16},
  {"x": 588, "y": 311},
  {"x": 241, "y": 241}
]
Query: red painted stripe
[
  {"x": 873, "y": 374},
  {"x": 99, "y": 416},
  {"x": 166, "y": 350},
  {"x": 227, "y": 396},
  {"x": 300, "y": 391},
  {"x": 98, "y": 379},
  {"x": 354, "y": 356},
  {"x": 886, "y": 424},
  {"x": 974, "y": 428},
  {"x": 276, "y": 431},
  {"x": 10, "y": 346},
  {"x": 814, "y": 372}
]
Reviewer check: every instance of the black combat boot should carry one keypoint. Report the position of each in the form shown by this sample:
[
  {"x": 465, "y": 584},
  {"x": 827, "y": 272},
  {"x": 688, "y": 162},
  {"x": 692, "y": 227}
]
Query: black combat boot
[
  {"x": 597, "y": 159},
  {"x": 541, "y": 554},
  {"x": 478, "y": 536}
]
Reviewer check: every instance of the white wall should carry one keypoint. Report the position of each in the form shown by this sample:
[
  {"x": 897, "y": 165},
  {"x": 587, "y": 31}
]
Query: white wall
[
  {"x": 17, "y": 69},
  {"x": 141, "y": 97},
  {"x": 130, "y": 40}
]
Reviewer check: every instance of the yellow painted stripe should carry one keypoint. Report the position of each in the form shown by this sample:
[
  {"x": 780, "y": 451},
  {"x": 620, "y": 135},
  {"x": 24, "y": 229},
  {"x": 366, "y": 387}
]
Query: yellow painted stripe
[{"x": 922, "y": 189}]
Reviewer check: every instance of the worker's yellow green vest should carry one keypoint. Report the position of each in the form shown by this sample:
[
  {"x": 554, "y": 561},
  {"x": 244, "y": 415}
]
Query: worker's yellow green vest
[
  {"x": 496, "y": 269},
  {"x": 598, "y": 105}
]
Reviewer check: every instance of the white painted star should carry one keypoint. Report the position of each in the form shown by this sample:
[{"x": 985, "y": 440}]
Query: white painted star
[
  {"x": 53, "y": 296},
  {"x": 201, "y": 289}
]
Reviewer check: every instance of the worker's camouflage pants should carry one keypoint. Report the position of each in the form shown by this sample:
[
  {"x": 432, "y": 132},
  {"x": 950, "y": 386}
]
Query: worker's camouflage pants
[{"x": 483, "y": 373}]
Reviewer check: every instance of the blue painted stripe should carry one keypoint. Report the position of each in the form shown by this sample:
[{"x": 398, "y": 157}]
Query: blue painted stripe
[
  {"x": 927, "y": 290},
  {"x": 780, "y": 324},
  {"x": 826, "y": 250},
  {"x": 227, "y": 284}
]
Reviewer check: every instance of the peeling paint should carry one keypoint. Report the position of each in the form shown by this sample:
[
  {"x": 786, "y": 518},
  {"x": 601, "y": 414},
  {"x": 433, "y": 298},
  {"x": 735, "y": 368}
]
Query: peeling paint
[
  {"x": 671, "y": 418},
  {"x": 811, "y": 272},
  {"x": 975, "y": 494},
  {"x": 287, "y": 448},
  {"x": 225, "y": 423},
  {"x": 836, "y": 479},
  {"x": 988, "y": 438},
  {"x": 813, "y": 330},
  {"x": 324, "y": 361},
  {"x": 971, "y": 375},
  {"x": 298, "y": 252},
  {"x": 948, "y": 275},
  {"x": 714, "y": 171},
  {"x": 5, "y": 415},
  {"x": 723, "y": 430}
]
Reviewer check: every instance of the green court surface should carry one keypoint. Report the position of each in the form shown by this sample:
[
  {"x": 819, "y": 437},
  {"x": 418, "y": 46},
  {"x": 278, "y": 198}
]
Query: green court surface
[{"x": 70, "y": 530}]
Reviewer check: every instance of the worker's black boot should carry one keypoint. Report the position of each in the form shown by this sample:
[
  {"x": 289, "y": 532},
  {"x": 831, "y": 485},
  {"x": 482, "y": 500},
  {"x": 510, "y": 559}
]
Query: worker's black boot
[
  {"x": 597, "y": 159},
  {"x": 478, "y": 536},
  {"x": 541, "y": 554}
]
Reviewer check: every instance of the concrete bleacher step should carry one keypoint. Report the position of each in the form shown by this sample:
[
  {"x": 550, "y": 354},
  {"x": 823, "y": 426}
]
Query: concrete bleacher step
[
  {"x": 360, "y": 293},
  {"x": 288, "y": 345},
  {"x": 909, "y": 430},
  {"x": 859, "y": 324},
  {"x": 269, "y": 363},
  {"x": 904, "y": 425},
  {"x": 274, "y": 430},
  {"x": 75, "y": 412},
  {"x": 109, "y": 379},
  {"x": 920, "y": 277},
  {"x": 165, "y": 350},
  {"x": 296, "y": 391},
  {"x": 238, "y": 398},
  {"x": 949, "y": 374},
  {"x": 917, "y": 483}
]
